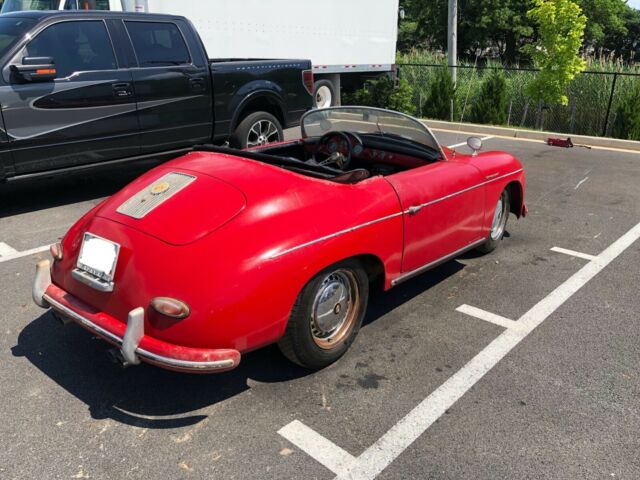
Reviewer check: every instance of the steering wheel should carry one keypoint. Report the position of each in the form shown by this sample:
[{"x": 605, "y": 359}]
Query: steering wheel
[{"x": 336, "y": 148}]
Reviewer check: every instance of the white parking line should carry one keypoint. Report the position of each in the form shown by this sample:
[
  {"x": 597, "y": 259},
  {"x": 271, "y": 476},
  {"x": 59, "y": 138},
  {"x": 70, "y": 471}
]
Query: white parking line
[
  {"x": 484, "y": 139},
  {"x": 573, "y": 253},
  {"x": 487, "y": 316},
  {"x": 6, "y": 250},
  {"x": 26, "y": 253},
  {"x": 380, "y": 455},
  {"x": 324, "y": 451}
]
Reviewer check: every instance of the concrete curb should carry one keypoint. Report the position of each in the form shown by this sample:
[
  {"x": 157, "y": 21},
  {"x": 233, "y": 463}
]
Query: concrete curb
[{"x": 601, "y": 142}]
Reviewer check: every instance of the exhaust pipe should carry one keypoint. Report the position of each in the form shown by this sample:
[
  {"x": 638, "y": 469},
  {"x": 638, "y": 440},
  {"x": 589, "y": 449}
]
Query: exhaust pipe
[{"x": 115, "y": 355}]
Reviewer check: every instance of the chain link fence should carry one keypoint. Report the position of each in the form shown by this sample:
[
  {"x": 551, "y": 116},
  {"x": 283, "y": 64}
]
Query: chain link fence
[{"x": 593, "y": 98}]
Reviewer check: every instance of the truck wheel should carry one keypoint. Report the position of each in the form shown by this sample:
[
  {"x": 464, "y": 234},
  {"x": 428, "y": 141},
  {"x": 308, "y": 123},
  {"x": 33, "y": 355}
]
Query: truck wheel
[
  {"x": 326, "y": 316},
  {"x": 325, "y": 95},
  {"x": 257, "y": 129}
]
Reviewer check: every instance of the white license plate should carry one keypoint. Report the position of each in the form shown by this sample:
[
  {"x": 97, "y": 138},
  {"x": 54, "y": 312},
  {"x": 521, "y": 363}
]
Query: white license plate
[{"x": 98, "y": 257}]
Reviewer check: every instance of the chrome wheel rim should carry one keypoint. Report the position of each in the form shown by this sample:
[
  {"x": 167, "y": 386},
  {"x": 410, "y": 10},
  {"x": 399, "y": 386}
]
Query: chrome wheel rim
[
  {"x": 335, "y": 309},
  {"x": 323, "y": 97},
  {"x": 499, "y": 218},
  {"x": 261, "y": 133}
]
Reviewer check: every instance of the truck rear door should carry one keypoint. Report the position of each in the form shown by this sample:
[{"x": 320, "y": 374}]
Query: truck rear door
[
  {"x": 87, "y": 114},
  {"x": 172, "y": 84}
]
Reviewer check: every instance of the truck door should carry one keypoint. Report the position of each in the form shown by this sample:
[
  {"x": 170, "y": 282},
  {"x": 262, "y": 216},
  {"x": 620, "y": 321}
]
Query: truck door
[
  {"x": 173, "y": 87},
  {"x": 87, "y": 114}
]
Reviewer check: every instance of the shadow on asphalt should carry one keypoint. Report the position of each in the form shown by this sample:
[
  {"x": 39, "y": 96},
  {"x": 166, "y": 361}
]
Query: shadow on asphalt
[
  {"x": 141, "y": 396},
  {"x": 48, "y": 192}
]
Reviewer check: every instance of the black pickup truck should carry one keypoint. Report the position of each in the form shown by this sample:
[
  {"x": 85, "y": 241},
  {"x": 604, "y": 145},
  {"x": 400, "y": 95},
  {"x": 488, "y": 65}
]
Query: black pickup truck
[{"x": 81, "y": 89}]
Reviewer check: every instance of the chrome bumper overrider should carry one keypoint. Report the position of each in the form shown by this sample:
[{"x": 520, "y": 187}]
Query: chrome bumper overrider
[{"x": 129, "y": 344}]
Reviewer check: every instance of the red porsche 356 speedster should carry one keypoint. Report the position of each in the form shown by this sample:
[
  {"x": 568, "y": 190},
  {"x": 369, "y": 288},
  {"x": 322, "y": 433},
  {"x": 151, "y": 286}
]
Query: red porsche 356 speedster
[{"x": 220, "y": 252}]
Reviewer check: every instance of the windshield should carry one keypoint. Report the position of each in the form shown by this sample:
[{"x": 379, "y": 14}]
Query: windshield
[
  {"x": 20, "y": 5},
  {"x": 11, "y": 31},
  {"x": 366, "y": 120}
]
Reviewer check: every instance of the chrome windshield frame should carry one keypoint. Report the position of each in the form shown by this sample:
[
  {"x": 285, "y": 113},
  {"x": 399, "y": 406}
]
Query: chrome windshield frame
[{"x": 375, "y": 109}]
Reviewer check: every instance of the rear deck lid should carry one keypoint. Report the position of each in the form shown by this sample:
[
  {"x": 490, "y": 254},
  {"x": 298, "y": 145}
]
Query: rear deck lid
[{"x": 175, "y": 206}]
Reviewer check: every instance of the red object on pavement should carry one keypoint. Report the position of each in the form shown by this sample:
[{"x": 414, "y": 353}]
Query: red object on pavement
[{"x": 560, "y": 142}]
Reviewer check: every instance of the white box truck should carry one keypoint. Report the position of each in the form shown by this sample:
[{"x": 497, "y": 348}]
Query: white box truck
[{"x": 353, "y": 41}]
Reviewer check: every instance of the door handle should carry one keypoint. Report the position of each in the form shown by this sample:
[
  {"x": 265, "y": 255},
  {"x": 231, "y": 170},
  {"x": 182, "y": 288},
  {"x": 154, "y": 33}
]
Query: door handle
[
  {"x": 121, "y": 90},
  {"x": 196, "y": 84},
  {"x": 415, "y": 210}
]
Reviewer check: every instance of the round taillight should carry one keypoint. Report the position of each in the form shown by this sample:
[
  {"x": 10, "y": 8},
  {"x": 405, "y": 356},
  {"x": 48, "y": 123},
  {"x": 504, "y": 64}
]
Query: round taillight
[
  {"x": 170, "y": 307},
  {"x": 56, "y": 251}
]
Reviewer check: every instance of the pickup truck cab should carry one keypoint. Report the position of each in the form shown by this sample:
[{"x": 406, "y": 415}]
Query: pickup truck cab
[{"x": 80, "y": 89}]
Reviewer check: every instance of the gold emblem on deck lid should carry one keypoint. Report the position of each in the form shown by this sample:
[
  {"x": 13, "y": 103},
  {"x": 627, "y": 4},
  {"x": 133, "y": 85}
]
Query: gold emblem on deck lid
[{"x": 159, "y": 188}]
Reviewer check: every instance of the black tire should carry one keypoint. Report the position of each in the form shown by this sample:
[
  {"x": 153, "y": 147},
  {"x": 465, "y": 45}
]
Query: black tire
[
  {"x": 318, "y": 89},
  {"x": 253, "y": 131},
  {"x": 304, "y": 341},
  {"x": 496, "y": 234}
]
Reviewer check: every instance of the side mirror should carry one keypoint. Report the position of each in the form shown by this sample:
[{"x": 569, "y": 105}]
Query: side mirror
[
  {"x": 35, "y": 69},
  {"x": 474, "y": 144}
]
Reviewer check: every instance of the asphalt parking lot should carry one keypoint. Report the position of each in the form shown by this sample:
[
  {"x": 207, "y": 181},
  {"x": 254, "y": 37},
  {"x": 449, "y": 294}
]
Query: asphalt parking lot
[{"x": 519, "y": 364}]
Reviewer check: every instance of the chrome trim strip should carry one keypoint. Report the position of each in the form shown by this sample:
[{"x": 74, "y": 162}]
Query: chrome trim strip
[
  {"x": 433, "y": 202},
  {"x": 171, "y": 362},
  {"x": 333, "y": 235},
  {"x": 410, "y": 211},
  {"x": 435, "y": 263}
]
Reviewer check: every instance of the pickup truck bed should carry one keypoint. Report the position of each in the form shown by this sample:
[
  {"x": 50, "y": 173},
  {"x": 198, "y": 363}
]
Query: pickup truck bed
[{"x": 81, "y": 89}]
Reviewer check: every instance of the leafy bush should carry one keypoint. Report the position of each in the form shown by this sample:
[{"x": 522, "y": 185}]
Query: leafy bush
[
  {"x": 627, "y": 123},
  {"x": 490, "y": 107},
  {"x": 381, "y": 93},
  {"x": 442, "y": 92}
]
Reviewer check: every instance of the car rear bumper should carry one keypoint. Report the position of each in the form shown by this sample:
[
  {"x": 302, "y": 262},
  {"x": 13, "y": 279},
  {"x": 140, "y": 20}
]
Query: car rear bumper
[{"x": 134, "y": 346}]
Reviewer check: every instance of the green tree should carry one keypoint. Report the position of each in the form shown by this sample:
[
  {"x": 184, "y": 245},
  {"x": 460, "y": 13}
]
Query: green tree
[
  {"x": 607, "y": 20},
  {"x": 442, "y": 92},
  {"x": 381, "y": 93},
  {"x": 627, "y": 123},
  {"x": 491, "y": 105},
  {"x": 561, "y": 27}
]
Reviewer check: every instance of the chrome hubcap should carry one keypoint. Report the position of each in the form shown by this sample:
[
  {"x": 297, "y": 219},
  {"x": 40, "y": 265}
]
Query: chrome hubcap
[
  {"x": 323, "y": 97},
  {"x": 499, "y": 219},
  {"x": 335, "y": 309},
  {"x": 261, "y": 133}
]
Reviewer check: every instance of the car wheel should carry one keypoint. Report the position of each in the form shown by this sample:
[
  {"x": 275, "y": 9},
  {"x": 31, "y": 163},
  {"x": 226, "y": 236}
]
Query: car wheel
[
  {"x": 325, "y": 95},
  {"x": 326, "y": 316},
  {"x": 499, "y": 224},
  {"x": 257, "y": 129}
]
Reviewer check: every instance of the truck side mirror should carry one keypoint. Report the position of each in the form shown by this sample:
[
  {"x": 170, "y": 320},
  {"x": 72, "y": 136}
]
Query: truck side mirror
[{"x": 35, "y": 69}]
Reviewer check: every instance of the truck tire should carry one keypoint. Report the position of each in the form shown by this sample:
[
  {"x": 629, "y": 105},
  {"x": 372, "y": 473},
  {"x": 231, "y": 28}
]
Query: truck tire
[
  {"x": 324, "y": 94},
  {"x": 257, "y": 129}
]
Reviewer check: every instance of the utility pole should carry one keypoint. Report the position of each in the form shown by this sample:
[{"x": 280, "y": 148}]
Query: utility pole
[{"x": 452, "y": 44}]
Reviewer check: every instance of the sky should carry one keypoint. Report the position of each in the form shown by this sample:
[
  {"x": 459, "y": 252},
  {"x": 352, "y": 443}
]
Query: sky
[{"x": 634, "y": 3}]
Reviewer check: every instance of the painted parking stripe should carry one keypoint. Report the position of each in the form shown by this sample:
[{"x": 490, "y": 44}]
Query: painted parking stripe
[
  {"x": 397, "y": 439},
  {"x": 6, "y": 250},
  {"x": 324, "y": 451},
  {"x": 487, "y": 316},
  {"x": 26, "y": 253},
  {"x": 573, "y": 253},
  {"x": 484, "y": 139}
]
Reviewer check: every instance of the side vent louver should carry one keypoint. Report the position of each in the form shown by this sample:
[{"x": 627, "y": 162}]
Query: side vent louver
[{"x": 155, "y": 194}]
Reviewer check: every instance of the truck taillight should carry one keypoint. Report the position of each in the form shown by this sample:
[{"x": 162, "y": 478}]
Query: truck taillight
[{"x": 307, "y": 80}]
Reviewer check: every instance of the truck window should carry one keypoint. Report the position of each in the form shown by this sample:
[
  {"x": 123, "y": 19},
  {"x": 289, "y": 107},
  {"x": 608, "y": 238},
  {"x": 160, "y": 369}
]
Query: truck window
[
  {"x": 158, "y": 44},
  {"x": 12, "y": 30},
  {"x": 75, "y": 47},
  {"x": 20, "y": 5}
]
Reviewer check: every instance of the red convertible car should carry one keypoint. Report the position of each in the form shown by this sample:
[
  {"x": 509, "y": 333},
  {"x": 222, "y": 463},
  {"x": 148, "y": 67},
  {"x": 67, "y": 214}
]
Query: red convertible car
[{"x": 220, "y": 252}]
